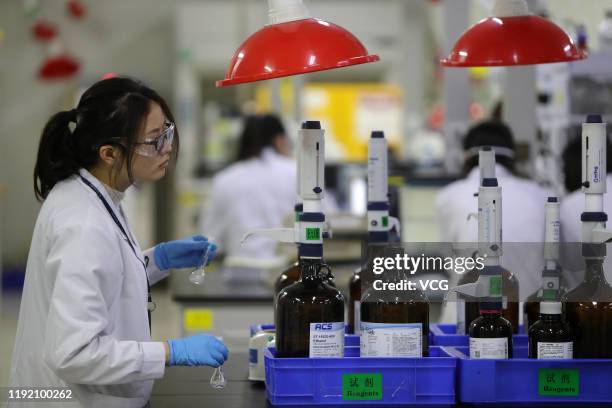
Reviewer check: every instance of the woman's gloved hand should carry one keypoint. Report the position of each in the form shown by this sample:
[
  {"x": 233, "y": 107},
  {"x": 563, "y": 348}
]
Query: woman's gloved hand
[
  {"x": 184, "y": 253},
  {"x": 198, "y": 350}
]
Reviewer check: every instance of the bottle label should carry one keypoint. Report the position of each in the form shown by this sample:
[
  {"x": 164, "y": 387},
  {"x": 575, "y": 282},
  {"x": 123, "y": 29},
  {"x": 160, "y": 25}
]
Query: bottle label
[
  {"x": 357, "y": 318},
  {"x": 391, "y": 339},
  {"x": 495, "y": 286},
  {"x": 326, "y": 340},
  {"x": 488, "y": 348},
  {"x": 555, "y": 350},
  {"x": 461, "y": 316}
]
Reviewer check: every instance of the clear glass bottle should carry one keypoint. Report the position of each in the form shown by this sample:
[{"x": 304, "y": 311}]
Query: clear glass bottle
[
  {"x": 309, "y": 315},
  {"x": 550, "y": 337},
  {"x": 589, "y": 313},
  {"x": 394, "y": 323},
  {"x": 490, "y": 333}
]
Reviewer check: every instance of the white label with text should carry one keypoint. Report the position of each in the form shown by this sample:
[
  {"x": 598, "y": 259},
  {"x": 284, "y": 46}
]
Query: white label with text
[
  {"x": 488, "y": 348},
  {"x": 326, "y": 340},
  {"x": 391, "y": 339},
  {"x": 555, "y": 350}
]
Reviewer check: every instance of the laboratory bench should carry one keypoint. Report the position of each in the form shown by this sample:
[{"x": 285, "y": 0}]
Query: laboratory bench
[{"x": 187, "y": 387}]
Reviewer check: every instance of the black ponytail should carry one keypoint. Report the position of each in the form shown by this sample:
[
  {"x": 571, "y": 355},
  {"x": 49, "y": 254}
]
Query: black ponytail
[
  {"x": 57, "y": 158},
  {"x": 110, "y": 112}
]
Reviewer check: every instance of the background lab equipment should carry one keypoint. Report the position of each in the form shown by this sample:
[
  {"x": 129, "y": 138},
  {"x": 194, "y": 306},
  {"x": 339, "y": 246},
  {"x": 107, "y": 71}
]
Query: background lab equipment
[{"x": 258, "y": 191}]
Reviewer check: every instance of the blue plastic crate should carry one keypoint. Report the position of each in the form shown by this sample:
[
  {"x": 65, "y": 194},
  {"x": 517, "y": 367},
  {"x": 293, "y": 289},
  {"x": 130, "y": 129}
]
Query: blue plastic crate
[
  {"x": 319, "y": 381},
  {"x": 517, "y": 380},
  {"x": 443, "y": 334}
]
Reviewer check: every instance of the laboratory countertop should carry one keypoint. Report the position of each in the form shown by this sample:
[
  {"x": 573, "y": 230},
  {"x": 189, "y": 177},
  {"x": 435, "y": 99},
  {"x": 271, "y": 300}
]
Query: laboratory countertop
[
  {"x": 217, "y": 289},
  {"x": 188, "y": 387}
]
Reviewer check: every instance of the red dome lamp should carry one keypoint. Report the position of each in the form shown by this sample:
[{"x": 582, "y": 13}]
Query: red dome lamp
[
  {"x": 294, "y": 43},
  {"x": 76, "y": 9},
  {"x": 513, "y": 37},
  {"x": 44, "y": 31},
  {"x": 59, "y": 67},
  {"x": 59, "y": 64}
]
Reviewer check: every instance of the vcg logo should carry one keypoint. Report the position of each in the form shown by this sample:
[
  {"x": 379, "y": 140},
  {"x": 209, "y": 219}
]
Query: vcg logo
[{"x": 323, "y": 326}]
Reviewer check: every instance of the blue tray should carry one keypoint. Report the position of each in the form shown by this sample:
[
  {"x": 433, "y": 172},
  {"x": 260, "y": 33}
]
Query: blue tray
[
  {"x": 319, "y": 381},
  {"x": 443, "y": 334},
  {"x": 520, "y": 380}
]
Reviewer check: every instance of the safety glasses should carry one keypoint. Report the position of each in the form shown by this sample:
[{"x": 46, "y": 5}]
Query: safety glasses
[{"x": 154, "y": 147}]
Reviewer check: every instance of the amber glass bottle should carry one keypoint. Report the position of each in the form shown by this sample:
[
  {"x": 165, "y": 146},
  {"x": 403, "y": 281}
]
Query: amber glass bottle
[
  {"x": 550, "y": 337},
  {"x": 394, "y": 323},
  {"x": 589, "y": 313},
  {"x": 309, "y": 315},
  {"x": 287, "y": 277},
  {"x": 490, "y": 333},
  {"x": 292, "y": 274},
  {"x": 354, "y": 309},
  {"x": 468, "y": 307},
  {"x": 362, "y": 277}
]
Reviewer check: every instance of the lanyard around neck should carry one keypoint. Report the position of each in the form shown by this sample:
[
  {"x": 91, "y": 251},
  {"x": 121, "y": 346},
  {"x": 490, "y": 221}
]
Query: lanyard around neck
[{"x": 127, "y": 239}]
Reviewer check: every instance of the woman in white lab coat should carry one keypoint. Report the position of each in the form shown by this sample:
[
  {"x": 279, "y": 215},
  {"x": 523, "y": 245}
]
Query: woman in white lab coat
[
  {"x": 258, "y": 191},
  {"x": 84, "y": 321}
]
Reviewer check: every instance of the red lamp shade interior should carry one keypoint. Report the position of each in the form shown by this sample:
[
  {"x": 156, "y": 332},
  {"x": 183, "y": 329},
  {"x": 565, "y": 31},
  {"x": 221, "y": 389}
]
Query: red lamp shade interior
[
  {"x": 59, "y": 67},
  {"x": 506, "y": 41},
  {"x": 43, "y": 31},
  {"x": 76, "y": 9},
  {"x": 295, "y": 47}
]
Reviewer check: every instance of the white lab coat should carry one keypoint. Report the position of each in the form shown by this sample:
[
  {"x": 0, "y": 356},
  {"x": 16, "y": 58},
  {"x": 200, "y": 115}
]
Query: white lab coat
[
  {"x": 523, "y": 204},
  {"x": 83, "y": 319},
  {"x": 572, "y": 207},
  {"x": 256, "y": 193}
]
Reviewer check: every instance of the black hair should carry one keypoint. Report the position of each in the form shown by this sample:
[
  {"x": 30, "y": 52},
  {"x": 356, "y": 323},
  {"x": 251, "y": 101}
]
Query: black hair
[
  {"x": 110, "y": 112},
  {"x": 258, "y": 133},
  {"x": 489, "y": 133}
]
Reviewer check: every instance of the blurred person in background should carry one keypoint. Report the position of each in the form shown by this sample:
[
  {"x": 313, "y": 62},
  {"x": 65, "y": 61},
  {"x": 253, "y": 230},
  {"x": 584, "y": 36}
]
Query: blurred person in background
[
  {"x": 85, "y": 319},
  {"x": 523, "y": 203},
  {"x": 257, "y": 191},
  {"x": 522, "y": 199}
]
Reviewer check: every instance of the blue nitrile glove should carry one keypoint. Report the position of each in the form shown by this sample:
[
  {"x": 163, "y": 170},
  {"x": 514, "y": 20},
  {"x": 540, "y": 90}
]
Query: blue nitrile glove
[
  {"x": 184, "y": 253},
  {"x": 198, "y": 350}
]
